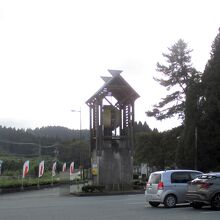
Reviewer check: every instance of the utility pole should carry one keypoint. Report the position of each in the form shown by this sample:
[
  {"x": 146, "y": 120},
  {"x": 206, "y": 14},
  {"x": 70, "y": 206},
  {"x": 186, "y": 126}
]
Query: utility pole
[
  {"x": 80, "y": 122},
  {"x": 196, "y": 149},
  {"x": 80, "y": 138}
]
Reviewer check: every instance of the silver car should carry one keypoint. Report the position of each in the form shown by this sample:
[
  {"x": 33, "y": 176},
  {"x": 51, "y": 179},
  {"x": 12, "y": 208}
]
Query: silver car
[
  {"x": 168, "y": 187},
  {"x": 205, "y": 190}
]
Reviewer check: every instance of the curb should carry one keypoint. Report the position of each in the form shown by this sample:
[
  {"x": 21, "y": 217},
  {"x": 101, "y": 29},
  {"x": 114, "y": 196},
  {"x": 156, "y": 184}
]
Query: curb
[
  {"x": 113, "y": 193},
  {"x": 26, "y": 188},
  {"x": 77, "y": 194}
]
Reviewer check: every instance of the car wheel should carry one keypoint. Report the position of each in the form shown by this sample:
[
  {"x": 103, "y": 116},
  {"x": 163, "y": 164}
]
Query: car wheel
[
  {"x": 197, "y": 205},
  {"x": 215, "y": 202},
  {"x": 170, "y": 201},
  {"x": 154, "y": 204}
]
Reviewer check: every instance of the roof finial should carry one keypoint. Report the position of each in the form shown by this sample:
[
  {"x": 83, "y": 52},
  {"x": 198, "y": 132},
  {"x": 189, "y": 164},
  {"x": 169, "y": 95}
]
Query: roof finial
[{"x": 115, "y": 72}]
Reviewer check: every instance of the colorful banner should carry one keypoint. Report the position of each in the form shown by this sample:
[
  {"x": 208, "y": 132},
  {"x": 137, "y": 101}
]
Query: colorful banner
[
  {"x": 25, "y": 168},
  {"x": 64, "y": 167},
  {"x": 72, "y": 168},
  {"x": 54, "y": 167},
  {"x": 41, "y": 169}
]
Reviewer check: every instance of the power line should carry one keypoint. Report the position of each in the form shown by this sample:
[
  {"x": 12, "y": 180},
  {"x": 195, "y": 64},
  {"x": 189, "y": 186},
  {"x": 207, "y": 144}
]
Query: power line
[
  {"x": 24, "y": 143},
  {"x": 18, "y": 143}
]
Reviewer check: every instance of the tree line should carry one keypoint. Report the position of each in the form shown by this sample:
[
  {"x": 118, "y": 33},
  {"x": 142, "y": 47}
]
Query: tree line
[
  {"x": 53, "y": 142},
  {"x": 50, "y": 143}
]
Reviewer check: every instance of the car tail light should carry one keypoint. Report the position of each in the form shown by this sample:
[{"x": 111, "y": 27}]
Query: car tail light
[
  {"x": 146, "y": 185},
  {"x": 160, "y": 186},
  {"x": 205, "y": 185}
]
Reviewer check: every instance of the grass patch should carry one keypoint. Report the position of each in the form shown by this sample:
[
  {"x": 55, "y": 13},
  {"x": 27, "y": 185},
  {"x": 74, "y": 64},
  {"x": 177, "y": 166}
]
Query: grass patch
[{"x": 15, "y": 182}]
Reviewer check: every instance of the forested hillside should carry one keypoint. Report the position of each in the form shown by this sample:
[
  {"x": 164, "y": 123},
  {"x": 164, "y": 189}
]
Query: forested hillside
[
  {"x": 27, "y": 142},
  {"x": 58, "y": 143}
]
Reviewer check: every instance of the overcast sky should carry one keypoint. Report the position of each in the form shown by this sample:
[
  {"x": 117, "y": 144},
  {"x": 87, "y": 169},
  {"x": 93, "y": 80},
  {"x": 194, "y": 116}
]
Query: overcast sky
[{"x": 52, "y": 53}]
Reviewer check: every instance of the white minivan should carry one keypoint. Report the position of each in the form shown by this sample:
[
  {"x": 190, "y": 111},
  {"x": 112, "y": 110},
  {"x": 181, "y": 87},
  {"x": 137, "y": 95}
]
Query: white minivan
[{"x": 168, "y": 187}]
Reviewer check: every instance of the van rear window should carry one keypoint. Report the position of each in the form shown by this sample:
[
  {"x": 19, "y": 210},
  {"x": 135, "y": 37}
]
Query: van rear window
[
  {"x": 155, "y": 178},
  {"x": 180, "y": 177}
]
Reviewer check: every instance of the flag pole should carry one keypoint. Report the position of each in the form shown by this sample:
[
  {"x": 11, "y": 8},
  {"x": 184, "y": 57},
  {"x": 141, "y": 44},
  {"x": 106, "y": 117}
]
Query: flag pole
[
  {"x": 22, "y": 182},
  {"x": 53, "y": 171},
  {"x": 38, "y": 182},
  {"x": 52, "y": 180}
]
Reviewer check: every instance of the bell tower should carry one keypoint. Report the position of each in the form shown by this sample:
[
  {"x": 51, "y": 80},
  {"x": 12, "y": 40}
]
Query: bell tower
[{"x": 111, "y": 132}]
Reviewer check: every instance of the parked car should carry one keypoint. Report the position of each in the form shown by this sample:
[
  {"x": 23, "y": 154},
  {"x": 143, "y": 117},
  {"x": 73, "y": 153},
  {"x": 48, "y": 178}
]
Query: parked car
[
  {"x": 204, "y": 190},
  {"x": 168, "y": 187}
]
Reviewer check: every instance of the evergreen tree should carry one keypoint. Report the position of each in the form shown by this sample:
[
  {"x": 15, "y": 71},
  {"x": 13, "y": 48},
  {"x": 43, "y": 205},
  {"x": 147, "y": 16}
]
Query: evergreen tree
[
  {"x": 189, "y": 139},
  {"x": 177, "y": 76},
  {"x": 158, "y": 149},
  {"x": 209, "y": 149},
  {"x": 139, "y": 127}
]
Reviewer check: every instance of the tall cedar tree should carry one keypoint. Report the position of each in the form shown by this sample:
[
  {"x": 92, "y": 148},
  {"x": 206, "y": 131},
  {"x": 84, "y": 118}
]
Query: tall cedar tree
[
  {"x": 209, "y": 149},
  {"x": 177, "y": 76},
  {"x": 188, "y": 148}
]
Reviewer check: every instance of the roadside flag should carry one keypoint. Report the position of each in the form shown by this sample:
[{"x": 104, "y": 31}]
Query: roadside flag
[
  {"x": 64, "y": 167},
  {"x": 25, "y": 168},
  {"x": 41, "y": 169},
  {"x": 1, "y": 167},
  {"x": 72, "y": 168},
  {"x": 54, "y": 167}
]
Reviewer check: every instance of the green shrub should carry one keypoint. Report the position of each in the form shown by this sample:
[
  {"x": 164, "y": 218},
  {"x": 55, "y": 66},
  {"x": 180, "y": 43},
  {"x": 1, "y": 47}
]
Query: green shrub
[
  {"x": 9, "y": 183},
  {"x": 14, "y": 182},
  {"x": 93, "y": 188}
]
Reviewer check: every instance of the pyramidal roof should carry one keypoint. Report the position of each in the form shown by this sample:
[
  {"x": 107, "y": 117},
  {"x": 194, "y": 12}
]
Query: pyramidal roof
[{"x": 117, "y": 87}]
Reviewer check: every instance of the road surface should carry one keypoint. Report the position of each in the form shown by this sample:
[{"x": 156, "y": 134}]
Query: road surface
[{"x": 50, "y": 204}]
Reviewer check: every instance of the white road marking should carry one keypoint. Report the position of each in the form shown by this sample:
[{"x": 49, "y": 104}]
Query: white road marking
[
  {"x": 134, "y": 203},
  {"x": 208, "y": 212}
]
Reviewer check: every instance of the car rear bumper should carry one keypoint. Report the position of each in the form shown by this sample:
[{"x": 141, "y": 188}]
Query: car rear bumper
[
  {"x": 194, "y": 197},
  {"x": 153, "y": 197}
]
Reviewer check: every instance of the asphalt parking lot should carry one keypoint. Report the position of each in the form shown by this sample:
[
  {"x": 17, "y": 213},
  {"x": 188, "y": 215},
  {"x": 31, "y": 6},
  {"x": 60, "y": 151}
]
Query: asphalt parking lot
[{"x": 51, "y": 204}]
